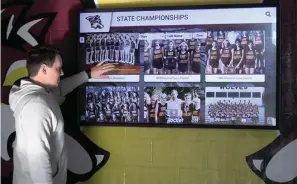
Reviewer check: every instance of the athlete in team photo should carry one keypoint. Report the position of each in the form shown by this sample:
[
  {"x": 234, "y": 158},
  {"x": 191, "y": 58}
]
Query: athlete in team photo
[
  {"x": 152, "y": 108},
  {"x": 107, "y": 48},
  {"x": 132, "y": 50},
  {"x": 183, "y": 59},
  {"x": 161, "y": 108},
  {"x": 170, "y": 58},
  {"x": 127, "y": 48},
  {"x": 102, "y": 48},
  {"x": 157, "y": 58},
  {"x": 221, "y": 38},
  {"x": 165, "y": 44},
  {"x": 178, "y": 43},
  {"x": 122, "y": 48},
  {"x": 250, "y": 58},
  {"x": 117, "y": 48},
  {"x": 209, "y": 40},
  {"x": 213, "y": 58},
  {"x": 237, "y": 56},
  {"x": 192, "y": 44},
  {"x": 97, "y": 48},
  {"x": 259, "y": 47},
  {"x": 244, "y": 39},
  {"x": 225, "y": 56},
  {"x": 147, "y": 57},
  {"x": 197, "y": 58},
  {"x": 187, "y": 108},
  {"x": 88, "y": 48},
  {"x": 112, "y": 48}
]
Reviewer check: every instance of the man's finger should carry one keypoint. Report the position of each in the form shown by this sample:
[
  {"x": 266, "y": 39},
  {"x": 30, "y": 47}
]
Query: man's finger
[
  {"x": 107, "y": 64},
  {"x": 107, "y": 70},
  {"x": 101, "y": 63},
  {"x": 107, "y": 67}
]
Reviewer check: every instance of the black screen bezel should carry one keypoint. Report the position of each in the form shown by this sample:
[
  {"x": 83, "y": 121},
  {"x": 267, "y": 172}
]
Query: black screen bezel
[{"x": 278, "y": 108}]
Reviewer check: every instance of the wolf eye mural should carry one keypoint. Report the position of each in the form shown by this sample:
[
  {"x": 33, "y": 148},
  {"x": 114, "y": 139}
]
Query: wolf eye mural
[
  {"x": 276, "y": 163},
  {"x": 24, "y": 25}
]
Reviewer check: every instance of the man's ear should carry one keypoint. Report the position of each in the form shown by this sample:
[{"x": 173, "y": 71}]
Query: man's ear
[{"x": 43, "y": 69}]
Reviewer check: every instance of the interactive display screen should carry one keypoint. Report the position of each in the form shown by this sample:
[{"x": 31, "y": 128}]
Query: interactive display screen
[{"x": 181, "y": 67}]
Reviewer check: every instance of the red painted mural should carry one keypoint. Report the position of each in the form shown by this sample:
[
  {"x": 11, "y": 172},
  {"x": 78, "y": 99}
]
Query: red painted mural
[{"x": 24, "y": 25}]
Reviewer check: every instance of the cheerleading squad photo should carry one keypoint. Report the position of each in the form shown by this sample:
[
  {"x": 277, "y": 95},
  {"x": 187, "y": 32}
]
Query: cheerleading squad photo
[
  {"x": 216, "y": 52},
  {"x": 172, "y": 105},
  {"x": 118, "y": 48},
  {"x": 118, "y": 104}
]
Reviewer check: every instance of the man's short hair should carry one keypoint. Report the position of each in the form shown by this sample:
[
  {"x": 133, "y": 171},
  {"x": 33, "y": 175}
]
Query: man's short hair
[{"x": 41, "y": 54}]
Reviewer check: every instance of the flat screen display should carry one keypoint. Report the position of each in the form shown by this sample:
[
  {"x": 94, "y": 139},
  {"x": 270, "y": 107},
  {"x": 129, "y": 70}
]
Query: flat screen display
[{"x": 191, "y": 67}]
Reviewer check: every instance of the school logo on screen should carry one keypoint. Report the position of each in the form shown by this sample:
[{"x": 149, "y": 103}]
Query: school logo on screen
[{"x": 95, "y": 22}]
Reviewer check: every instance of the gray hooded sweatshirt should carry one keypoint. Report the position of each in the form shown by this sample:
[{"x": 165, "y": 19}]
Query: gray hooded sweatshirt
[{"x": 40, "y": 155}]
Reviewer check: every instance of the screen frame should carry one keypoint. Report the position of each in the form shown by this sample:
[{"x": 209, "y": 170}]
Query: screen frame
[{"x": 278, "y": 109}]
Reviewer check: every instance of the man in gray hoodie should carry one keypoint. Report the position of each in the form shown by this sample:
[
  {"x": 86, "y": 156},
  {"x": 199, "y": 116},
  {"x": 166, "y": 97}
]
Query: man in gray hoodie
[{"x": 40, "y": 153}]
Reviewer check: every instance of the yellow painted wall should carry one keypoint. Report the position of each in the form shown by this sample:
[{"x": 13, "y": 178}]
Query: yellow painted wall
[{"x": 171, "y": 156}]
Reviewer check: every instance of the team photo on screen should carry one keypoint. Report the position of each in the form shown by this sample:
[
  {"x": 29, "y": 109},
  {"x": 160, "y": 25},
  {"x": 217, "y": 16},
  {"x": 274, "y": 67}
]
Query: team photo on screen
[
  {"x": 178, "y": 56},
  {"x": 234, "y": 105},
  {"x": 114, "y": 48},
  {"x": 121, "y": 49},
  {"x": 112, "y": 104},
  {"x": 235, "y": 52},
  {"x": 172, "y": 105}
]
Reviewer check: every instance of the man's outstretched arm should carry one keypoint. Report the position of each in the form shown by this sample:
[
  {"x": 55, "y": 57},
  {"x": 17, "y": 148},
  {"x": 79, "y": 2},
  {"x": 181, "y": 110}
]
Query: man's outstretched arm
[{"x": 68, "y": 84}]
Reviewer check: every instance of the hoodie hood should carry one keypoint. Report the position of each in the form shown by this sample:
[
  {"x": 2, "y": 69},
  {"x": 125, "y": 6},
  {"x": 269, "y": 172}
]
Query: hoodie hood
[{"x": 20, "y": 95}]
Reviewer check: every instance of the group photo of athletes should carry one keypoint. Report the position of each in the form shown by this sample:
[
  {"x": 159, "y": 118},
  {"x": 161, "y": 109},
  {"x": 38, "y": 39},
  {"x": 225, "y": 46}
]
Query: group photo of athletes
[
  {"x": 235, "y": 106},
  {"x": 112, "y": 104},
  {"x": 232, "y": 112},
  {"x": 173, "y": 56},
  {"x": 172, "y": 105},
  {"x": 121, "y": 48},
  {"x": 235, "y": 52}
]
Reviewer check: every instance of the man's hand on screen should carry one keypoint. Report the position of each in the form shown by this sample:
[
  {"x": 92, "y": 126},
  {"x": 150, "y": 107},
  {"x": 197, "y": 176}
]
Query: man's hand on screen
[{"x": 98, "y": 71}]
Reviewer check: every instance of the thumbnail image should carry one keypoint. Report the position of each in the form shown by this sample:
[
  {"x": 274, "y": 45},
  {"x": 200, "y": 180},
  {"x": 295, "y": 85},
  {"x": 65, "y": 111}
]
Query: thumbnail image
[
  {"x": 234, "y": 105},
  {"x": 171, "y": 57},
  {"x": 235, "y": 52},
  {"x": 112, "y": 104},
  {"x": 116, "y": 48},
  {"x": 172, "y": 105}
]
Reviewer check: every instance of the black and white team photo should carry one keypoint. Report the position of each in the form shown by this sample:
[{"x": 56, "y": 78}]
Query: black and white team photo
[
  {"x": 172, "y": 105},
  {"x": 118, "y": 48},
  {"x": 112, "y": 104}
]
